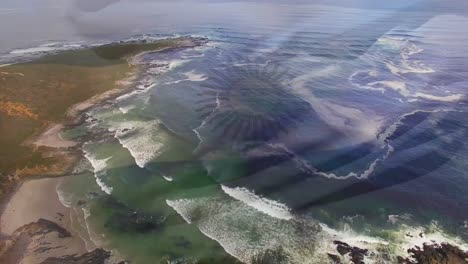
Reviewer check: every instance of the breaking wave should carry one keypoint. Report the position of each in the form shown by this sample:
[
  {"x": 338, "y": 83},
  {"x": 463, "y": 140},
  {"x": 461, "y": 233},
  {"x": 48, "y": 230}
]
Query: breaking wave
[
  {"x": 142, "y": 139},
  {"x": 99, "y": 166},
  {"x": 267, "y": 206}
]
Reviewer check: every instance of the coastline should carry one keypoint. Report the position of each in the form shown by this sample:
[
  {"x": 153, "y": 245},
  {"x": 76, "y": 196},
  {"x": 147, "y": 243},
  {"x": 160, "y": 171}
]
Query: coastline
[
  {"x": 35, "y": 227},
  {"x": 46, "y": 221},
  {"x": 36, "y": 200}
]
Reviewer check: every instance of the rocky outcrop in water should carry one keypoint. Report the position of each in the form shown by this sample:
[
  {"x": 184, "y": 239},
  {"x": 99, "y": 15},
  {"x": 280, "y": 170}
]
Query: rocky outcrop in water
[
  {"x": 435, "y": 254},
  {"x": 356, "y": 254},
  {"x": 46, "y": 242},
  {"x": 41, "y": 227},
  {"x": 97, "y": 256}
]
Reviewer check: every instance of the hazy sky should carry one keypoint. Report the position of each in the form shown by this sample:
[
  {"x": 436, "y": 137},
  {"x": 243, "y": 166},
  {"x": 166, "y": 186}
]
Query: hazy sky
[{"x": 28, "y": 23}]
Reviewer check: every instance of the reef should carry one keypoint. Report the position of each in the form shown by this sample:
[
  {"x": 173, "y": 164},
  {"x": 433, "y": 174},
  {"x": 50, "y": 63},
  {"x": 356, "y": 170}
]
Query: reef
[
  {"x": 356, "y": 254},
  {"x": 435, "y": 254}
]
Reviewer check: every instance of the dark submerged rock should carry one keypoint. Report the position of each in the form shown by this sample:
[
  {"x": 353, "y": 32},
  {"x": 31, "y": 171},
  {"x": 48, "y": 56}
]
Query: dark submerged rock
[
  {"x": 43, "y": 226},
  {"x": 435, "y": 254},
  {"x": 97, "y": 256},
  {"x": 126, "y": 219}
]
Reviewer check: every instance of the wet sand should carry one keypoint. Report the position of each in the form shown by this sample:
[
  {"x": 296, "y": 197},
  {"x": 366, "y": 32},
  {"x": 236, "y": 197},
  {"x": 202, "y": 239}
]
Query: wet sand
[
  {"x": 28, "y": 239},
  {"x": 35, "y": 227}
]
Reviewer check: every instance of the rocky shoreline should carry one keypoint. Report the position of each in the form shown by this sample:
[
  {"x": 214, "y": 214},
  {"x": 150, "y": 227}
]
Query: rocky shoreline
[
  {"x": 32, "y": 240},
  {"x": 434, "y": 253},
  {"x": 49, "y": 241}
]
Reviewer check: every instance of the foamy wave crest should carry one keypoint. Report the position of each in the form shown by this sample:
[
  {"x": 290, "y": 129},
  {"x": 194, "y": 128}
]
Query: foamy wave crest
[
  {"x": 399, "y": 87},
  {"x": 447, "y": 98},
  {"x": 182, "y": 207},
  {"x": 244, "y": 232},
  {"x": 351, "y": 237},
  {"x": 191, "y": 76},
  {"x": 142, "y": 139},
  {"x": 306, "y": 167},
  {"x": 408, "y": 67},
  {"x": 167, "y": 178},
  {"x": 406, "y": 48},
  {"x": 393, "y": 78},
  {"x": 378, "y": 247},
  {"x": 99, "y": 166},
  {"x": 64, "y": 197},
  {"x": 264, "y": 205}
]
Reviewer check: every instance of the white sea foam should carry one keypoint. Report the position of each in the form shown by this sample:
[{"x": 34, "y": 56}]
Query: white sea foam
[
  {"x": 405, "y": 64},
  {"x": 64, "y": 198},
  {"x": 167, "y": 178},
  {"x": 48, "y": 47},
  {"x": 126, "y": 109},
  {"x": 102, "y": 185},
  {"x": 33, "y": 50},
  {"x": 203, "y": 123},
  {"x": 78, "y": 223},
  {"x": 192, "y": 76},
  {"x": 408, "y": 67},
  {"x": 244, "y": 232},
  {"x": 262, "y": 204},
  {"x": 99, "y": 166},
  {"x": 394, "y": 219},
  {"x": 142, "y": 139},
  {"x": 305, "y": 166},
  {"x": 397, "y": 86},
  {"x": 97, "y": 239},
  {"x": 359, "y": 175},
  {"x": 447, "y": 98},
  {"x": 351, "y": 237},
  {"x": 411, "y": 237},
  {"x": 182, "y": 207},
  {"x": 195, "y": 77},
  {"x": 358, "y": 124},
  {"x": 401, "y": 88},
  {"x": 384, "y": 135}
]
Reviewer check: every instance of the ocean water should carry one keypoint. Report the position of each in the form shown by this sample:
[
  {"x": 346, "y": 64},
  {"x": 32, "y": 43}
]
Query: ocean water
[{"x": 296, "y": 125}]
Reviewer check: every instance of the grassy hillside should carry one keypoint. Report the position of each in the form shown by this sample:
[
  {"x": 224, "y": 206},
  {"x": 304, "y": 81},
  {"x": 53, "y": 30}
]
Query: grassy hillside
[{"x": 39, "y": 92}]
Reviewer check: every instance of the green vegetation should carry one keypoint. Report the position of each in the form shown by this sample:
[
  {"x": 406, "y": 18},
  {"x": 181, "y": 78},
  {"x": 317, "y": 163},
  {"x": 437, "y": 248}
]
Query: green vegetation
[{"x": 37, "y": 93}]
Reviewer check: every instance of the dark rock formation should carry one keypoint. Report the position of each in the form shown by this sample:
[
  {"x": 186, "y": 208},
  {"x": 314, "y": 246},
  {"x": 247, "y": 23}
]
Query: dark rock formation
[
  {"x": 435, "y": 254},
  {"x": 34, "y": 242},
  {"x": 357, "y": 254},
  {"x": 97, "y": 256},
  {"x": 43, "y": 226}
]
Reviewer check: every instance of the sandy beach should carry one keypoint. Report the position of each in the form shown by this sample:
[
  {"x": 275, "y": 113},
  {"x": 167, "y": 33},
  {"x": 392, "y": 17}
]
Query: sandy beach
[
  {"x": 30, "y": 239},
  {"x": 51, "y": 138},
  {"x": 33, "y": 200},
  {"x": 35, "y": 227}
]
